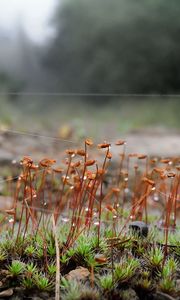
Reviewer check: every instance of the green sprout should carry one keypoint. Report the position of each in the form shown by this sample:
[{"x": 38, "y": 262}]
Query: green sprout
[
  {"x": 28, "y": 283},
  {"x": 145, "y": 284},
  {"x": 16, "y": 268},
  {"x": 39, "y": 246},
  {"x": 83, "y": 248},
  {"x": 64, "y": 259},
  {"x": 30, "y": 250},
  {"x": 42, "y": 282},
  {"x": 170, "y": 267},
  {"x": 102, "y": 246},
  {"x": 83, "y": 251},
  {"x": 155, "y": 257},
  {"x": 64, "y": 283},
  {"x": 7, "y": 245},
  {"x": 51, "y": 250},
  {"x": 19, "y": 245},
  {"x": 52, "y": 269},
  {"x": 70, "y": 252},
  {"x": 39, "y": 252},
  {"x": 72, "y": 289},
  {"x": 89, "y": 293},
  {"x": 126, "y": 269},
  {"x": 167, "y": 285},
  {"x": 30, "y": 269},
  {"x": 174, "y": 239},
  {"x": 3, "y": 255},
  {"x": 106, "y": 282}
]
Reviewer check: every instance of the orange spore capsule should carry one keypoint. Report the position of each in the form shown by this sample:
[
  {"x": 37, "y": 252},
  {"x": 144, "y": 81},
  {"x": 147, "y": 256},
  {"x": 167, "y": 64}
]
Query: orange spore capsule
[
  {"x": 120, "y": 142},
  {"x": 104, "y": 145},
  {"x": 81, "y": 152},
  {"x": 90, "y": 162}
]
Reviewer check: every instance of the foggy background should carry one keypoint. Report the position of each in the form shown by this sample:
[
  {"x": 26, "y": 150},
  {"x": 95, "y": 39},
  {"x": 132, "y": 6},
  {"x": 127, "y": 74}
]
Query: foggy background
[{"x": 98, "y": 65}]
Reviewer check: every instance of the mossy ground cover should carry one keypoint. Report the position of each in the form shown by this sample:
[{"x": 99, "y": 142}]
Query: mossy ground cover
[{"x": 67, "y": 234}]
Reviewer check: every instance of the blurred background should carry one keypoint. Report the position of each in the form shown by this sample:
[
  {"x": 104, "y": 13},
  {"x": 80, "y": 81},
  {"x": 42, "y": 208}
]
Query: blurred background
[{"x": 99, "y": 68}]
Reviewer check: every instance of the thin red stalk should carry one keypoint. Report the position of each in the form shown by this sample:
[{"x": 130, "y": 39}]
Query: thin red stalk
[
  {"x": 145, "y": 200},
  {"x": 18, "y": 187},
  {"x": 31, "y": 204},
  {"x": 121, "y": 165},
  {"x": 101, "y": 195},
  {"x": 175, "y": 200},
  {"x": 167, "y": 219},
  {"x": 57, "y": 208},
  {"x": 134, "y": 194},
  {"x": 90, "y": 206},
  {"x": 23, "y": 204},
  {"x": 77, "y": 204},
  {"x": 83, "y": 197}
]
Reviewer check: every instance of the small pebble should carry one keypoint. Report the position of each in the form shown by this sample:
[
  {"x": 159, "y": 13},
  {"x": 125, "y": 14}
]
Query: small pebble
[
  {"x": 139, "y": 228},
  {"x": 6, "y": 293},
  {"x": 79, "y": 273}
]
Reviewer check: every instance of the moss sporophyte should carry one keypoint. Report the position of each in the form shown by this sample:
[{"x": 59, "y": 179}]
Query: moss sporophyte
[{"x": 115, "y": 225}]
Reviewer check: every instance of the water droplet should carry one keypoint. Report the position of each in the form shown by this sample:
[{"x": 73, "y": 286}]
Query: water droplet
[
  {"x": 86, "y": 209},
  {"x": 65, "y": 220},
  {"x": 14, "y": 161},
  {"x": 11, "y": 220},
  {"x": 153, "y": 188},
  {"x": 173, "y": 216},
  {"x": 96, "y": 223},
  {"x": 126, "y": 179},
  {"x": 126, "y": 190},
  {"x": 156, "y": 197}
]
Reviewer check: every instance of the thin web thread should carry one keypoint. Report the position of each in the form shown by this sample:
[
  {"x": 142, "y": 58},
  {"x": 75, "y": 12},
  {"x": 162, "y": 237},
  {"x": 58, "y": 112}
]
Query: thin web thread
[
  {"x": 37, "y": 135},
  {"x": 44, "y": 136},
  {"x": 18, "y": 176},
  {"x": 86, "y": 94}
]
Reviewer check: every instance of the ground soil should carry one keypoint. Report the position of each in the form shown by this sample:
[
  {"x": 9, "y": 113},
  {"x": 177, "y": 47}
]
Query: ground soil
[{"x": 152, "y": 142}]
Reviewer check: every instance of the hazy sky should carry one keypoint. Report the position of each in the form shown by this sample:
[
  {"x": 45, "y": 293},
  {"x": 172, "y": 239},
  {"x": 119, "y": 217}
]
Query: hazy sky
[{"x": 32, "y": 14}]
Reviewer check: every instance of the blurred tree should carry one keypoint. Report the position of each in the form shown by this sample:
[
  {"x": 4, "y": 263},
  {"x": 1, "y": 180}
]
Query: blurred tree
[
  {"x": 117, "y": 46},
  {"x": 10, "y": 85}
]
